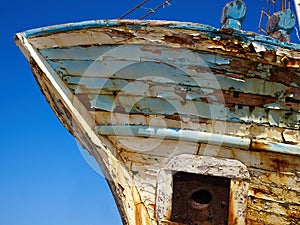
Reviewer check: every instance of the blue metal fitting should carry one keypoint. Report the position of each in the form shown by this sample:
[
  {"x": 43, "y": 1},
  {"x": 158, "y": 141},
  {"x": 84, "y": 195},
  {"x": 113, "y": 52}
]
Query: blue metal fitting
[
  {"x": 233, "y": 15},
  {"x": 281, "y": 24}
]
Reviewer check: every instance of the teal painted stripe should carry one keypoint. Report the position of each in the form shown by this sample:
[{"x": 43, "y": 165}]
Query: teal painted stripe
[
  {"x": 174, "y": 134},
  {"x": 70, "y": 26},
  {"x": 192, "y": 26},
  {"x": 268, "y": 42},
  {"x": 108, "y": 23}
]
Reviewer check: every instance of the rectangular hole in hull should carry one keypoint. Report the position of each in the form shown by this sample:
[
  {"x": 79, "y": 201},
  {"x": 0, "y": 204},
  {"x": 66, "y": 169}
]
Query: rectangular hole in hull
[{"x": 200, "y": 199}]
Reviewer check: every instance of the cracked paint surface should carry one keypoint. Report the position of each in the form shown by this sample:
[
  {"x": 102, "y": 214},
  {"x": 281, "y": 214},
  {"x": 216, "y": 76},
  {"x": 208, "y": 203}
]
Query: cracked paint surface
[{"x": 146, "y": 92}]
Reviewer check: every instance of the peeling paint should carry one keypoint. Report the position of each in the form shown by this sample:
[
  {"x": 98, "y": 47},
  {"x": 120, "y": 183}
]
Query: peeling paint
[{"x": 148, "y": 98}]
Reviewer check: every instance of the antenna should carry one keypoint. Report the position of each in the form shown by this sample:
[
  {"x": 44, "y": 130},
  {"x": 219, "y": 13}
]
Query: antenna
[
  {"x": 266, "y": 14},
  {"x": 269, "y": 7},
  {"x": 150, "y": 10}
]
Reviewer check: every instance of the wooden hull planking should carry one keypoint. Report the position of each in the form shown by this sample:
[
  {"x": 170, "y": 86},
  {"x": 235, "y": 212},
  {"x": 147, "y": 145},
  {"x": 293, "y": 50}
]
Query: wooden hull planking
[{"x": 149, "y": 98}]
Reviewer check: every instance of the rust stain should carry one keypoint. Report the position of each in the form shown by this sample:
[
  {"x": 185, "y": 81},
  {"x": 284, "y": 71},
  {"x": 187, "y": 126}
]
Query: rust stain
[
  {"x": 235, "y": 75},
  {"x": 181, "y": 93},
  {"x": 295, "y": 215},
  {"x": 120, "y": 33},
  {"x": 256, "y": 146},
  {"x": 294, "y": 63},
  {"x": 151, "y": 49},
  {"x": 280, "y": 165},
  {"x": 284, "y": 76},
  {"x": 259, "y": 191},
  {"x": 200, "y": 199},
  {"x": 141, "y": 213},
  {"x": 242, "y": 66},
  {"x": 267, "y": 175},
  {"x": 293, "y": 105},
  {"x": 85, "y": 100},
  {"x": 232, "y": 220},
  {"x": 269, "y": 55},
  {"x": 239, "y": 98},
  {"x": 152, "y": 206},
  {"x": 180, "y": 38},
  {"x": 232, "y": 47},
  {"x": 178, "y": 117},
  {"x": 233, "y": 98}
]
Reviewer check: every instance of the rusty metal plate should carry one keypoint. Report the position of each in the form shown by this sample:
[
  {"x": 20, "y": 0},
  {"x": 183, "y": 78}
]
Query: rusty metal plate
[{"x": 200, "y": 199}]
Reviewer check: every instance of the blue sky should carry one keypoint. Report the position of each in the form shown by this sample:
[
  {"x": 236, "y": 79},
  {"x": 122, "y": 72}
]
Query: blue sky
[{"x": 44, "y": 178}]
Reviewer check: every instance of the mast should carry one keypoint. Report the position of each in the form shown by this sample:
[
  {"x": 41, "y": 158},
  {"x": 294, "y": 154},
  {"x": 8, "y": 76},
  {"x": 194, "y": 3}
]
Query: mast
[{"x": 283, "y": 5}]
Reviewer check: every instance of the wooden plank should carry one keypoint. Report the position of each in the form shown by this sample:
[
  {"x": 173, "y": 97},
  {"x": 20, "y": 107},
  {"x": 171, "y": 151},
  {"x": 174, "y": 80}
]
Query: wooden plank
[
  {"x": 227, "y": 84},
  {"x": 201, "y": 109},
  {"x": 231, "y": 65}
]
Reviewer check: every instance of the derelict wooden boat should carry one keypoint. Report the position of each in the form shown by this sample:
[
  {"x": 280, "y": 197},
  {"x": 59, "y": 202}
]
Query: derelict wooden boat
[{"x": 190, "y": 124}]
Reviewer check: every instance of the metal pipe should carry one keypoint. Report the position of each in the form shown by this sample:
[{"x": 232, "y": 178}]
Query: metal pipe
[
  {"x": 197, "y": 136},
  {"x": 174, "y": 134},
  {"x": 283, "y": 5}
]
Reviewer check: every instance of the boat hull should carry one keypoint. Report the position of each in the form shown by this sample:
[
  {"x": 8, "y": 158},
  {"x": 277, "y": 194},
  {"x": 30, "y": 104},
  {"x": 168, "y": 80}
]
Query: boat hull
[{"x": 151, "y": 99}]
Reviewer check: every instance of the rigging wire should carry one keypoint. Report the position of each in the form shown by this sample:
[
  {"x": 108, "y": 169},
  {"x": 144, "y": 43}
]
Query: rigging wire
[
  {"x": 131, "y": 10},
  {"x": 150, "y": 10}
]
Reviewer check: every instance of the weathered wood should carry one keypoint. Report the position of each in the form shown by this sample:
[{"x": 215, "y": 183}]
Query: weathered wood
[{"x": 185, "y": 78}]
